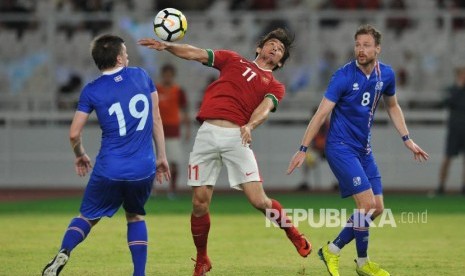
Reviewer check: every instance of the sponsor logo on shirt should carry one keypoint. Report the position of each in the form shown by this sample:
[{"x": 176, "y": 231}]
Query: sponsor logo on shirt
[
  {"x": 355, "y": 86},
  {"x": 379, "y": 85},
  {"x": 118, "y": 78}
]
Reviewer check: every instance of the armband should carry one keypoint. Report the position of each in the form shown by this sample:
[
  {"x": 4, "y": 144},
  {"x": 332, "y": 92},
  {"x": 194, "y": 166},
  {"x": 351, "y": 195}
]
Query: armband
[{"x": 405, "y": 138}]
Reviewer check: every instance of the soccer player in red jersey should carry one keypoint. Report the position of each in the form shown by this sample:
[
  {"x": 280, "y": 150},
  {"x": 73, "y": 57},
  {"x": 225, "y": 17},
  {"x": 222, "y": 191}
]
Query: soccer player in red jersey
[{"x": 233, "y": 105}]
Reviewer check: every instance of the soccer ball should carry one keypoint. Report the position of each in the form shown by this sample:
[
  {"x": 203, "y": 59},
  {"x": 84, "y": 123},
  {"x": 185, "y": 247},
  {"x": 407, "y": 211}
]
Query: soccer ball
[{"x": 170, "y": 24}]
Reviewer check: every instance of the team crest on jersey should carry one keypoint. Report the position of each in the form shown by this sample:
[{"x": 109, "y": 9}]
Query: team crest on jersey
[
  {"x": 118, "y": 78},
  {"x": 265, "y": 80},
  {"x": 355, "y": 86},
  {"x": 357, "y": 181},
  {"x": 379, "y": 85}
]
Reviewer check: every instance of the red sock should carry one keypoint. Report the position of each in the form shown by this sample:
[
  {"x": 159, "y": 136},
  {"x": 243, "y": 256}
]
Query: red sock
[
  {"x": 290, "y": 230},
  {"x": 200, "y": 226}
]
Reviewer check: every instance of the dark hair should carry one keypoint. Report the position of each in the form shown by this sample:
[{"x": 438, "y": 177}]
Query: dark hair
[
  {"x": 105, "y": 49},
  {"x": 281, "y": 35},
  {"x": 168, "y": 67},
  {"x": 369, "y": 30}
]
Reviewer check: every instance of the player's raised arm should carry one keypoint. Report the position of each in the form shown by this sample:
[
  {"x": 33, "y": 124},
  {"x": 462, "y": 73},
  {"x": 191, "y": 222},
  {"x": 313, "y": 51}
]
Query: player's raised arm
[
  {"x": 325, "y": 108},
  {"x": 82, "y": 162},
  {"x": 397, "y": 117},
  {"x": 184, "y": 51},
  {"x": 163, "y": 171}
]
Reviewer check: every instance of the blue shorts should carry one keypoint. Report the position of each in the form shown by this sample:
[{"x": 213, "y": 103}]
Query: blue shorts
[
  {"x": 355, "y": 171},
  {"x": 104, "y": 196}
]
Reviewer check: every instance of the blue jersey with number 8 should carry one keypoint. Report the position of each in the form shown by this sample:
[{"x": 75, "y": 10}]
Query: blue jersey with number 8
[
  {"x": 356, "y": 96},
  {"x": 122, "y": 102}
]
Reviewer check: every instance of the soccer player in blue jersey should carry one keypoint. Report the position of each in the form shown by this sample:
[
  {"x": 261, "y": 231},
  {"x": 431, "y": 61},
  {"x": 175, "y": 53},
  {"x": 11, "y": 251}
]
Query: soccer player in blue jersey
[
  {"x": 126, "y": 103},
  {"x": 352, "y": 97}
]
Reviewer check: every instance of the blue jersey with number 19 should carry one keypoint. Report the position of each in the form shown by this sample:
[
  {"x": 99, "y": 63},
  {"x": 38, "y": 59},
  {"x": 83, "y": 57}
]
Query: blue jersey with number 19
[
  {"x": 356, "y": 96},
  {"x": 122, "y": 102}
]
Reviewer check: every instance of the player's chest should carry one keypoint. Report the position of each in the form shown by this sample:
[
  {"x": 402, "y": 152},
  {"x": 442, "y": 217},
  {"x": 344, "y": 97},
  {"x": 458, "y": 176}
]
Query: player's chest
[
  {"x": 248, "y": 76},
  {"x": 364, "y": 92}
]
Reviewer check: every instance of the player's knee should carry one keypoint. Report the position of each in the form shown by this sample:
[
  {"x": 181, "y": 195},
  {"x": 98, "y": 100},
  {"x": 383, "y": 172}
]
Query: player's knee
[
  {"x": 378, "y": 211},
  {"x": 132, "y": 217},
  {"x": 367, "y": 206},
  {"x": 92, "y": 222},
  {"x": 259, "y": 203},
  {"x": 200, "y": 205}
]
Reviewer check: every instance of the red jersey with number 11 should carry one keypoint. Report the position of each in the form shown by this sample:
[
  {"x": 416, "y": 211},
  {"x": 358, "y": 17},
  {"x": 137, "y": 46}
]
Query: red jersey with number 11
[{"x": 240, "y": 88}]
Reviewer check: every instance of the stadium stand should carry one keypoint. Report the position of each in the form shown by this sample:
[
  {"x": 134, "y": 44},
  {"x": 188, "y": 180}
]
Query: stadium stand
[{"x": 55, "y": 35}]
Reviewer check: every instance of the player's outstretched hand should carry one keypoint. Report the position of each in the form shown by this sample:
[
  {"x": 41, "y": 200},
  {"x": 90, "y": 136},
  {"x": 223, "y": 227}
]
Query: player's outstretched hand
[
  {"x": 152, "y": 44},
  {"x": 246, "y": 134},
  {"x": 296, "y": 161},
  {"x": 82, "y": 165},
  {"x": 163, "y": 171},
  {"x": 418, "y": 153}
]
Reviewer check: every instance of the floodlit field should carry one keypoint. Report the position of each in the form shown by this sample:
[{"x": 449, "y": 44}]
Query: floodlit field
[{"x": 240, "y": 244}]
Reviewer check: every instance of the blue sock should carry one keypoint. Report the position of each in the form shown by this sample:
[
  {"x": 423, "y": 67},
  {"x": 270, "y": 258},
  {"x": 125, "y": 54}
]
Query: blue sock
[
  {"x": 137, "y": 241},
  {"x": 346, "y": 235},
  {"x": 361, "y": 233},
  {"x": 77, "y": 231}
]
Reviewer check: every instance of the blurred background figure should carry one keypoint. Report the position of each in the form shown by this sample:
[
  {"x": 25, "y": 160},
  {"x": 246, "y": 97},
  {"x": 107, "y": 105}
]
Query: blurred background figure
[
  {"x": 398, "y": 23},
  {"x": 174, "y": 113},
  {"x": 41, "y": 76},
  {"x": 68, "y": 93},
  {"x": 455, "y": 143}
]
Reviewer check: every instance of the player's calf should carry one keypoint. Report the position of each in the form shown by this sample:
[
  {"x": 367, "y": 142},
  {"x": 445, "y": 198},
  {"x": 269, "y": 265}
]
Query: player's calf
[{"x": 303, "y": 246}]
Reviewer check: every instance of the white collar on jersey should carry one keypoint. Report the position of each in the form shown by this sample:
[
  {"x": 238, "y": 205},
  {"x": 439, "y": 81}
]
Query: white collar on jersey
[
  {"x": 267, "y": 70},
  {"x": 111, "y": 72}
]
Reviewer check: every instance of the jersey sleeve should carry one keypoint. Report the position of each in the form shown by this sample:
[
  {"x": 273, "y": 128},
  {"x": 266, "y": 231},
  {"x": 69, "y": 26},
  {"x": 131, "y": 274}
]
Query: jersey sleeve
[
  {"x": 152, "y": 87},
  {"x": 390, "y": 88},
  {"x": 218, "y": 58},
  {"x": 85, "y": 104},
  {"x": 276, "y": 94},
  {"x": 336, "y": 86},
  {"x": 150, "y": 84}
]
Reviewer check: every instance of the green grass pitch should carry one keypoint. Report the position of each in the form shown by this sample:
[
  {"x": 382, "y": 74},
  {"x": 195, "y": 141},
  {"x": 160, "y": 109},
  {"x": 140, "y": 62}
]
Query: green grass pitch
[{"x": 239, "y": 244}]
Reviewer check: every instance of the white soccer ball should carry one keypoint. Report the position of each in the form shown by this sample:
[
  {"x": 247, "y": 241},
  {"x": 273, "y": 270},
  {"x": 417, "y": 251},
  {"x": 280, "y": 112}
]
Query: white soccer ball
[{"x": 170, "y": 24}]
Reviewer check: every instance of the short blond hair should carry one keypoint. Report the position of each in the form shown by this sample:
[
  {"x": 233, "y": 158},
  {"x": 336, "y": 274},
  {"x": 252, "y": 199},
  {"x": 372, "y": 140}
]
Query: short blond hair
[{"x": 369, "y": 30}]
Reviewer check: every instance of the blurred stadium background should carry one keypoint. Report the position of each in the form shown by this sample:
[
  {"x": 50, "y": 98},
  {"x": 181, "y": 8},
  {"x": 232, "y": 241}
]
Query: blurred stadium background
[{"x": 45, "y": 61}]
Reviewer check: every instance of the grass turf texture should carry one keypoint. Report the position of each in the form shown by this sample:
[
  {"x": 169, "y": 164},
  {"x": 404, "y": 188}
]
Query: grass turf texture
[{"x": 239, "y": 243}]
